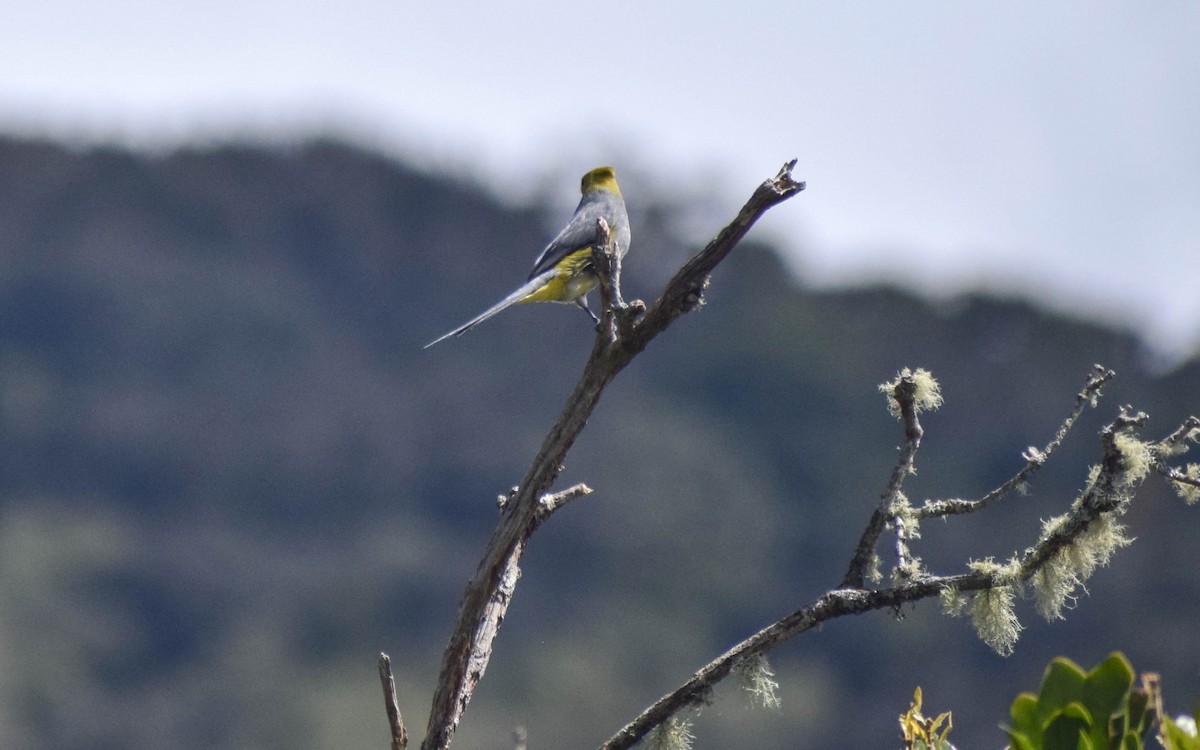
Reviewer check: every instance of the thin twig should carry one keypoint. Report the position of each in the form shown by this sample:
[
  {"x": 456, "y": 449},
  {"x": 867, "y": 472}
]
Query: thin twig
[
  {"x": 1190, "y": 425},
  {"x": 1168, "y": 445},
  {"x": 1175, "y": 475},
  {"x": 899, "y": 520},
  {"x": 395, "y": 721},
  {"x": 486, "y": 598},
  {"x": 550, "y": 503},
  {"x": 1034, "y": 459},
  {"x": 904, "y": 393}
]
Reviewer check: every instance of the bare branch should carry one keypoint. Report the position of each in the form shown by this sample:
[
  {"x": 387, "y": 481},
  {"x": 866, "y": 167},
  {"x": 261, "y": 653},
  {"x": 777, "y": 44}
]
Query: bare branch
[
  {"x": 395, "y": 721},
  {"x": 686, "y": 288},
  {"x": 1034, "y": 458},
  {"x": 486, "y": 598},
  {"x": 830, "y": 606}
]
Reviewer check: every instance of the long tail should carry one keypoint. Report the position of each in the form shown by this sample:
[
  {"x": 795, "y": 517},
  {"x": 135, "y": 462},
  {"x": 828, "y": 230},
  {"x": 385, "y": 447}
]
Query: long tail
[{"x": 524, "y": 291}]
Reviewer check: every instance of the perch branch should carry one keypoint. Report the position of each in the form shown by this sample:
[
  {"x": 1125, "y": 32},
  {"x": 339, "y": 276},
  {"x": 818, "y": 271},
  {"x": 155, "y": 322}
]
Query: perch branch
[
  {"x": 616, "y": 316},
  {"x": 487, "y": 596}
]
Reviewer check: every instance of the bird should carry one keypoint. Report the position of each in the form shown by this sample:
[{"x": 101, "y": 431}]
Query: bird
[{"x": 563, "y": 272}]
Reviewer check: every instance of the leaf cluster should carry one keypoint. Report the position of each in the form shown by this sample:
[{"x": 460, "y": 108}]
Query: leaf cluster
[
  {"x": 921, "y": 732},
  {"x": 1104, "y": 708}
]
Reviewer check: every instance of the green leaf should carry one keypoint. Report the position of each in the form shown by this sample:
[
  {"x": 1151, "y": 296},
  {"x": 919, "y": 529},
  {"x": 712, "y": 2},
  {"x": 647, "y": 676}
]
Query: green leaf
[
  {"x": 1076, "y": 710},
  {"x": 1020, "y": 741},
  {"x": 1106, "y": 686},
  {"x": 1062, "y": 734},
  {"x": 1066, "y": 728},
  {"x": 1026, "y": 718},
  {"x": 1061, "y": 684},
  {"x": 1117, "y": 726}
]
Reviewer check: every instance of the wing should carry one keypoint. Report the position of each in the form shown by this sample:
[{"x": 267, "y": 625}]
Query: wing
[{"x": 579, "y": 233}]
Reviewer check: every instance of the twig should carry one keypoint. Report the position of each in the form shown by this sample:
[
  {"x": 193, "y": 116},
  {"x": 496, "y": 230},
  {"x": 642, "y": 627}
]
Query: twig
[
  {"x": 899, "y": 520},
  {"x": 831, "y": 605},
  {"x": 1175, "y": 475},
  {"x": 486, "y": 598},
  {"x": 1034, "y": 459},
  {"x": 1168, "y": 445},
  {"x": 395, "y": 721},
  {"x": 1190, "y": 425},
  {"x": 550, "y": 503},
  {"x": 904, "y": 393}
]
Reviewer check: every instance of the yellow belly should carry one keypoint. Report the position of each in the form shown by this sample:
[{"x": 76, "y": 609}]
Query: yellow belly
[{"x": 573, "y": 280}]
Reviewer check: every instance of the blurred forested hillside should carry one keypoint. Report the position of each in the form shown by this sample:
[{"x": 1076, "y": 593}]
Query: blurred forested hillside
[{"x": 229, "y": 475}]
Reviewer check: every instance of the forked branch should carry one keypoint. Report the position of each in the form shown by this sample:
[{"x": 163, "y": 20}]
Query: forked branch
[{"x": 622, "y": 333}]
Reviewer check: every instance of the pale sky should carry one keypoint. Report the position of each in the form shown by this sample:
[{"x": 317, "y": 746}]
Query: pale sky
[{"x": 1048, "y": 148}]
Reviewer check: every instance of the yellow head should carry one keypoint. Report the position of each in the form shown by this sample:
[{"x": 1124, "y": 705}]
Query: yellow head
[{"x": 600, "y": 178}]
